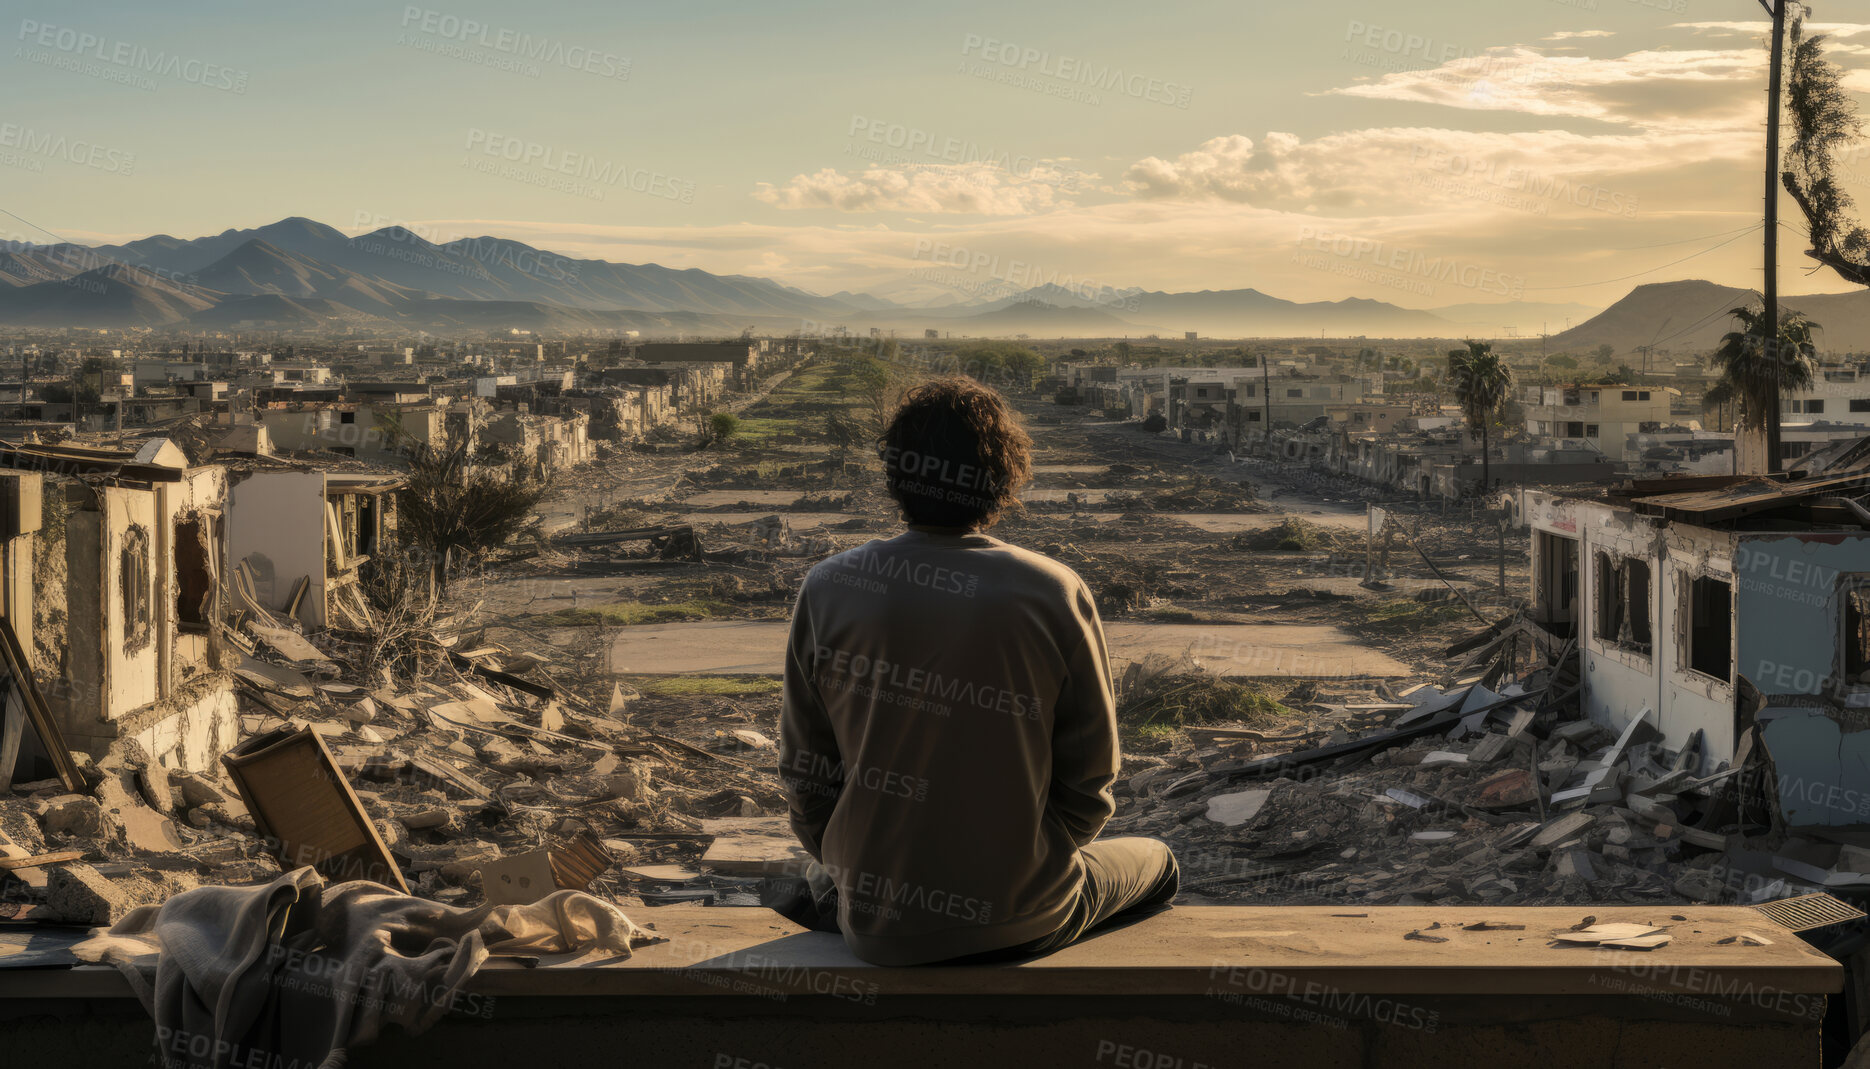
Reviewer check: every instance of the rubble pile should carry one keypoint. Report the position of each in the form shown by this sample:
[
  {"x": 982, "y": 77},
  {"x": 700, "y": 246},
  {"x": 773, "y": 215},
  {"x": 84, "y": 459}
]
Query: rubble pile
[
  {"x": 1300, "y": 534},
  {"x": 460, "y": 762},
  {"x": 1306, "y": 480},
  {"x": 790, "y": 473},
  {"x": 1442, "y": 797}
]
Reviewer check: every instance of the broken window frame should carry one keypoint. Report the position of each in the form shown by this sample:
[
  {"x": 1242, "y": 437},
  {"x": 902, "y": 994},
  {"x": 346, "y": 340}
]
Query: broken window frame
[
  {"x": 1623, "y": 603},
  {"x": 1852, "y": 670}
]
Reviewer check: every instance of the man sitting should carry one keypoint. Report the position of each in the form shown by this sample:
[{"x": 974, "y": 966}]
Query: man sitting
[{"x": 948, "y": 736}]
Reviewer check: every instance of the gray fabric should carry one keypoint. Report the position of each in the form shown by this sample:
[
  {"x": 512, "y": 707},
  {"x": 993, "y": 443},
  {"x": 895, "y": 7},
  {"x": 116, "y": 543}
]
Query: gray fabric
[{"x": 293, "y": 973}]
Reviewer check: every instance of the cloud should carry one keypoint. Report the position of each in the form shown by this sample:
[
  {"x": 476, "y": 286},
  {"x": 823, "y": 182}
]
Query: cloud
[
  {"x": 975, "y": 189},
  {"x": 1568, "y": 35},
  {"x": 1653, "y": 87},
  {"x": 1761, "y": 29},
  {"x": 1408, "y": 170},
  {"x": 1230, "y": 168}
]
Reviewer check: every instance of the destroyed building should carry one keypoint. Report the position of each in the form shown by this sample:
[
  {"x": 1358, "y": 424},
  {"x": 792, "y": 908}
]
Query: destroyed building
[
  {"x": 136, "y": 556},
  {"x": 1718, "y": 606}
]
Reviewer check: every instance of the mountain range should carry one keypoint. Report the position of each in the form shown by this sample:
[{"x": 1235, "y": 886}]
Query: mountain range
[{"x": 298, "y": 273}]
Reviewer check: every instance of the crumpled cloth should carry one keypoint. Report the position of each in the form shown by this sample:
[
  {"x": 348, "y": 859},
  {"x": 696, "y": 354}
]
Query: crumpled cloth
[{"x": 295, "y": 973}]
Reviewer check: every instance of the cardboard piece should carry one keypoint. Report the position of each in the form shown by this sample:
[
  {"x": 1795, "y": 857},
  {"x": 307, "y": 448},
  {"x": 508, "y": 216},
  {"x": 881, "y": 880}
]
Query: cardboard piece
[
  {"x": 522, "y": 879},
  {"x": 519, "y": 880}
]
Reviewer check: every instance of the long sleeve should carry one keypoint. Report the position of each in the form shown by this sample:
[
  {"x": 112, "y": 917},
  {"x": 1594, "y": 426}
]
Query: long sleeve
[
  {"x": 1084, "y": 733},
  {"x": 810, "y": 763}
]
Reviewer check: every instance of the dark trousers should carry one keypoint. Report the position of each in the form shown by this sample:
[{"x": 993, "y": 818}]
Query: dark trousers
[{"x": 1121, "y": 876}]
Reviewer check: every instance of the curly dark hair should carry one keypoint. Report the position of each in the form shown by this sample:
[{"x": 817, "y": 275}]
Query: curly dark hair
[{"x": 954, "y": 454}]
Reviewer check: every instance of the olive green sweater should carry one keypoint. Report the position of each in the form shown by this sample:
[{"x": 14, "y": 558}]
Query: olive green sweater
[{"x": 948, "y": 740}]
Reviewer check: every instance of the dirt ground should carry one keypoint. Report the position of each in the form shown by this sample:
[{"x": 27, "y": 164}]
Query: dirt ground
[{"x": 1270, "y": 545}]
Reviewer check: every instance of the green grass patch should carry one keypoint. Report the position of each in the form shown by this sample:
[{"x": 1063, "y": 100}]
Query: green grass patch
[
  {"x": 1398, "y": 616},
  {"x": 1169, "y": 701},
  {"x": 799, "y": 405},
  {"x": 754, "y": 430},
  {"x": 707, "y": 686},
  {"x": 628, "y": 613}
]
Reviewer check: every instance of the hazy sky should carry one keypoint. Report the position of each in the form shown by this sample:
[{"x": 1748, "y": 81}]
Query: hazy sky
[{"x": 1427, "y": 154}]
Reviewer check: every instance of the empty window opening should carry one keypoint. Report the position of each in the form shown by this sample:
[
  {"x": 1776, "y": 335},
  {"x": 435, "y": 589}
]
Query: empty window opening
[
  {"x": 1622, "y": 609},
  {"x": 369, "y": 522},
  {"x": 1557, "y": 593},
  {"x": 194, "y": 577},
  {"x": 1711, "y": 627},
  {"x": 134, "y": 578}
]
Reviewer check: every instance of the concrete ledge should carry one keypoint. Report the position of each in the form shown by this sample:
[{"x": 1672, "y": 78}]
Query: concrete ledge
[{"x": 1210, "y": 986}]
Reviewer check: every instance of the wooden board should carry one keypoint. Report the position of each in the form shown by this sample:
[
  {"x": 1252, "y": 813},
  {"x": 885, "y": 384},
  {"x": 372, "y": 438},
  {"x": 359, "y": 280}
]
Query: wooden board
[{"x": 24, "y": 690}]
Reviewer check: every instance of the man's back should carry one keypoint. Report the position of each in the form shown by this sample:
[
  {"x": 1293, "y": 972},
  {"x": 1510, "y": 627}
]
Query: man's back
[{"x": 949, "y": 741}]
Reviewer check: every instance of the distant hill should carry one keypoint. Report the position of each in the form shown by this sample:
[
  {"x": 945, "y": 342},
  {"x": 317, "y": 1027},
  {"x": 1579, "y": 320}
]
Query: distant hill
[
  {"x": 258, "y": 267},
  {"x": 111, "y": 296},
  {"x": 1689, "y": 317},
  {"x": 1038, "y": 317}
]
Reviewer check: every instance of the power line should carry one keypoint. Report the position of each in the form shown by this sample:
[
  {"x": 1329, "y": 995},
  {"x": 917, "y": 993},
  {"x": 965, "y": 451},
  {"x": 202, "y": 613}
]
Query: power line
[
  {"x": 1652, "y": 270},
  {"x": 1685, "y": 241},
  {"x": 39, "y": 228},
  {"x": 1697, "y": 323}
]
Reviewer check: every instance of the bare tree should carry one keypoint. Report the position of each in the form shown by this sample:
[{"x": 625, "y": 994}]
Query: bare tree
[{"x": 449, "y": 505}]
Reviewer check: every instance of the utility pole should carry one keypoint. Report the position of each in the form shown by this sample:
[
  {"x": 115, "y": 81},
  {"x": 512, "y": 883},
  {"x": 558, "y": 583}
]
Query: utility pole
[
  {"x": 1266, "y": 387},
  {"x": 1769, "y": 289}
]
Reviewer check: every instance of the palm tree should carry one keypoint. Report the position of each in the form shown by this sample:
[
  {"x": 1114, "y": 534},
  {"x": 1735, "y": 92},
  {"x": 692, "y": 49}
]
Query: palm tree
[
  {"x": 1754, "y": 373},
  {"x": 1480, "y": 379}
]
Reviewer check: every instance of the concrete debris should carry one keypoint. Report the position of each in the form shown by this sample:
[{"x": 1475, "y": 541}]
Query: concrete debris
[
  {"x": 140, "y": 827},
  {"x": 79, "y": 894},
  {"x": 1230, "y": 810},
  {"x": 1495, "y": 791},
  {"x": 73, "y": 816}
]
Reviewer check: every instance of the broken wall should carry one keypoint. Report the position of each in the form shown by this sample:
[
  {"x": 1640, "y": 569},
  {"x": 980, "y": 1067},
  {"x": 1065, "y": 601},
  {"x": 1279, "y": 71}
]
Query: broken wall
[
  {"x": 135, "y": 665},
  {"x": 1803, "y": 644},
  {"x": 276, "y": 523}
]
